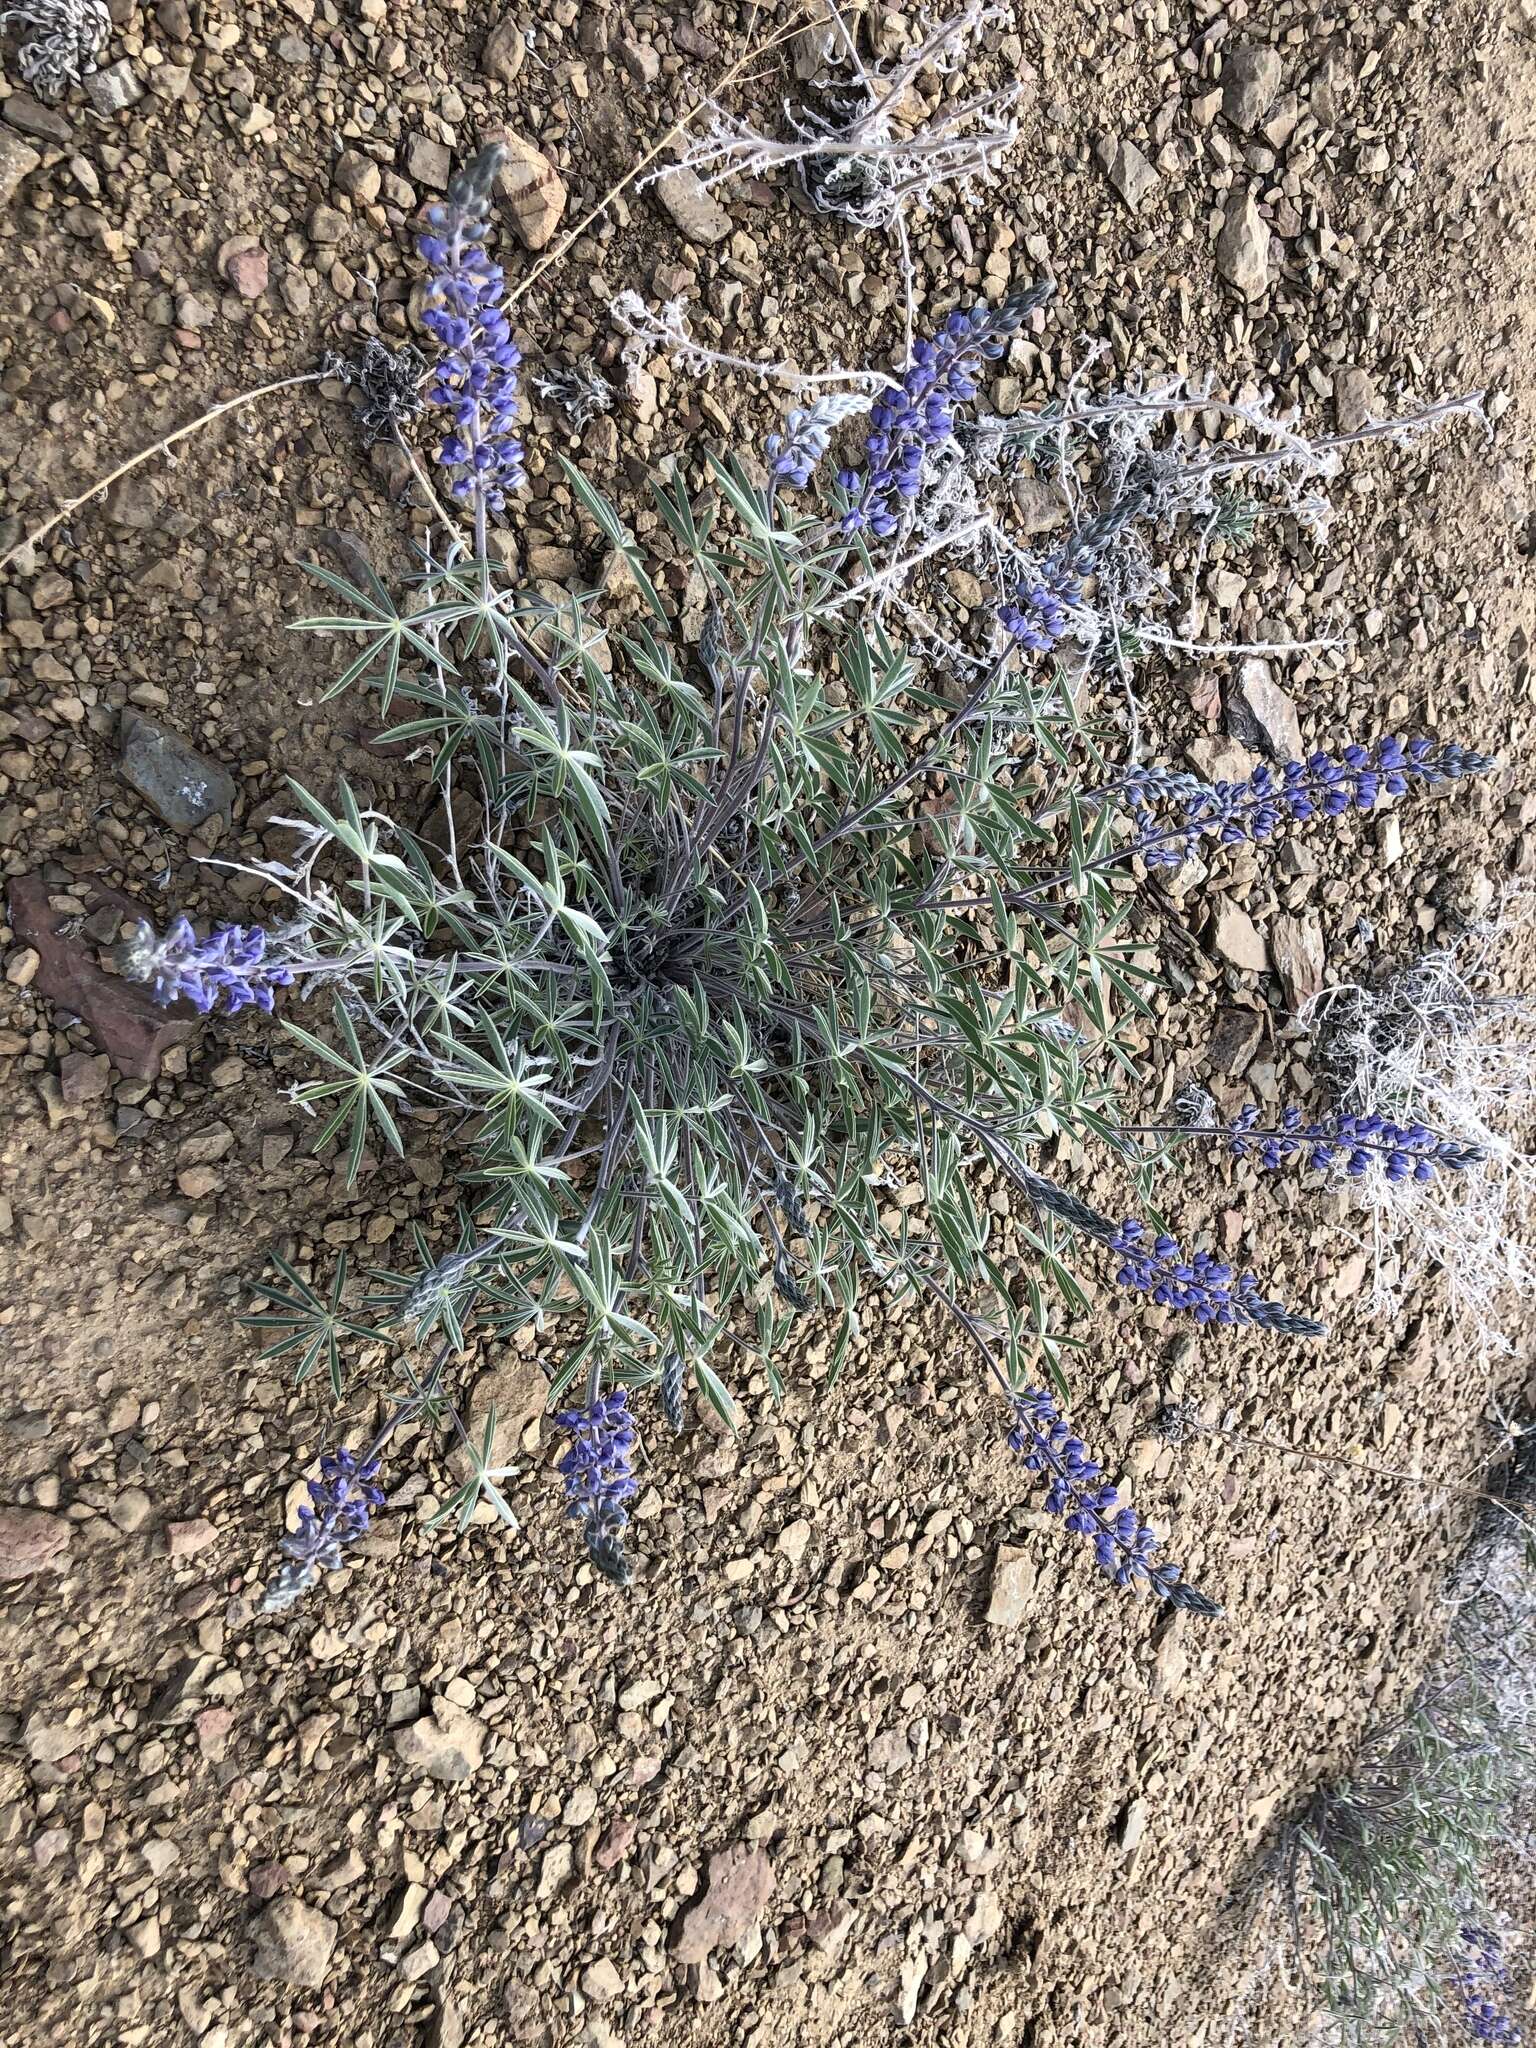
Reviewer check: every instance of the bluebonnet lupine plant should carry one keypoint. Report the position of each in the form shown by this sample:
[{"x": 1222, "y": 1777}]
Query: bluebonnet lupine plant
[
  {"x": 230, "y": 964},
  {"x": 674, "y": 960},
  {"x": 917, "y": 416},
  {"x": 1076, "y": 1489},
  {"x": 475, "y": 378},
  {"x": 1481, "y": 1972},
  {"x": 342, "y": 1501},
  {"x": 1353, "y": 1143},
  {"x": 1176, "y": 812},
  {"x": 598, "y": 1470}
]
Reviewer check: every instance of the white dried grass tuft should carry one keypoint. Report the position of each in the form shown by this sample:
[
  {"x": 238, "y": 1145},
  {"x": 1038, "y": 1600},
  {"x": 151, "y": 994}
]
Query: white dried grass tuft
[
  {"x": 1438, "y": 1044},
  {"x": 856, "y": 156}
]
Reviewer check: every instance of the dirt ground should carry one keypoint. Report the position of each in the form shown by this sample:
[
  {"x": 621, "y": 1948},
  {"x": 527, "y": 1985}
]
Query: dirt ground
[{"x": 936, "y": 1799}]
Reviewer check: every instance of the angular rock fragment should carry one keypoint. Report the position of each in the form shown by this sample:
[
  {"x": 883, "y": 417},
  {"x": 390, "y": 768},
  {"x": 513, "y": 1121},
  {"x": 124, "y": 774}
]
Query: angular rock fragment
[
  {"x": 291, "y": 1943},
  {"x": 124, "y": 1019},
  {"x": 696, "y": 214},
  {"x": 178, "y": 783},
  {"x": 740, "y": 1886},
  {"x": 1242, "y": 247}
]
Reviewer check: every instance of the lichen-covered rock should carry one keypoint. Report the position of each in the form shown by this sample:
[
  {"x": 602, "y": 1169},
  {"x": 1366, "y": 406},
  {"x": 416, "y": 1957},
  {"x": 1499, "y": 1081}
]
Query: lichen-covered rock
[{"x": 178, "y": 783}]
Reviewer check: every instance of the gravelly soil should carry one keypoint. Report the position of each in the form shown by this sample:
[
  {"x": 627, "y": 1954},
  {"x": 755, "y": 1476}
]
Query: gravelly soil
[{"x": 1028, "y": 1828}]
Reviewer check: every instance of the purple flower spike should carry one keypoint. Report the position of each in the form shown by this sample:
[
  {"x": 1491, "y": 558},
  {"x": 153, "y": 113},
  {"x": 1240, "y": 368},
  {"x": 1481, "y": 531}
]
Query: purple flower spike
[
  {"x": 1175, "y": 812},
  {"x": 231, "y": 963},
  {"x": 1351, "y": 1144},
  {"x": 915, "y": 417},
  {"x": 342, "y": 1501},
  {"x": 476, "y": 375},
  {"x": 599, "y": 1477},
  {"x": 1075, "y": 1489},
  {"x": 1201, "y": 1286}
]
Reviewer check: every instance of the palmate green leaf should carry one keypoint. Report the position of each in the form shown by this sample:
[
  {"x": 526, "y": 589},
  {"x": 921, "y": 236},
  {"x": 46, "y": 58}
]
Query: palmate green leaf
[
  {"x": 390, "y": 632},
  {"x": 617, "y": 534},
  {"x": 305, "y": 1321},
  {"x": 360, "y": 1093},
  {"x": 483, "y": 1484}
]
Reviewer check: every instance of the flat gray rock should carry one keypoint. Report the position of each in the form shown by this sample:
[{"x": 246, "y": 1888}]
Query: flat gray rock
[
  {"x": 1127, "y": 170},
  {"x": 178, "y": 783},
  {"x": 696, "y": 214}
]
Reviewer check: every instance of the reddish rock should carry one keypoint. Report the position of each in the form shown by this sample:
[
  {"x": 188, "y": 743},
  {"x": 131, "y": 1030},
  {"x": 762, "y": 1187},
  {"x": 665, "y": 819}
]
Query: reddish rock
[
  {"x": 740, "y": 1886},
  {"x": 248, "y": 271},
  {"x": 616, "y": 1844},
  {"x": 268, "y": 1880},
  {"x": 184, "y": 1539},
  {"x": 30, "y": 1541},
  {"x": 124, "y": 1019},
  {"x": 213, "y": 1725}
]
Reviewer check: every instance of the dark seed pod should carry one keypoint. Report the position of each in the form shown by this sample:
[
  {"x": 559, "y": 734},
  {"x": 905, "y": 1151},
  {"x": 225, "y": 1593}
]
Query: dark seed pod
[
  {"x": 605, "y": 1547},
  {"x": 673, "y": 1379},
  {"x": 788, "y": 1288}
]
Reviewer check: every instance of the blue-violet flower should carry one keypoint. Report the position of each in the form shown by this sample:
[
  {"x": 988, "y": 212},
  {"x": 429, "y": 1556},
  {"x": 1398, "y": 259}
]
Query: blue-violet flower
[
  {"x": 1075, "y": 1489},
  {"x": 795, "y": 452},
  {"x": 1352, "y": 1143},
  {"x": 342, "y": 1501},
  {"x": 598, "y": 1470},
  {"x": 1175, "y": 812},
  {"x": 1044, "y": 598},
  {"x": 231, "y": 963},
  {"x": 909, "y": 420},
  {"x": 476, "y": 377},
  {"x": 1482, "y": 1971},
  {"x": 1202, "y": 1286}
]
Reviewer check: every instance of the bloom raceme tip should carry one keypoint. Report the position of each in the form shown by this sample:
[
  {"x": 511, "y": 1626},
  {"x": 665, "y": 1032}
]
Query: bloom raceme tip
[
  {"x": 1482, "y": 1973},
  {"x": 1202, "y": 1285},
  {"x": 1039, "y": 613},
  {"x": 475, "y": 378},
  {"x": 1076, "y": 1490},
  {"x": 795, "y": 452},
  {"x": 230, "y": 963},
  {"x": 1351, "y": 1144}
]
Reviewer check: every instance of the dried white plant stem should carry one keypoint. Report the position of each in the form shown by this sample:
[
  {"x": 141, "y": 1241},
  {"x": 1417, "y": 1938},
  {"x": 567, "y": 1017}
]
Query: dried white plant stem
[{"x": 166, "y": 441}]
